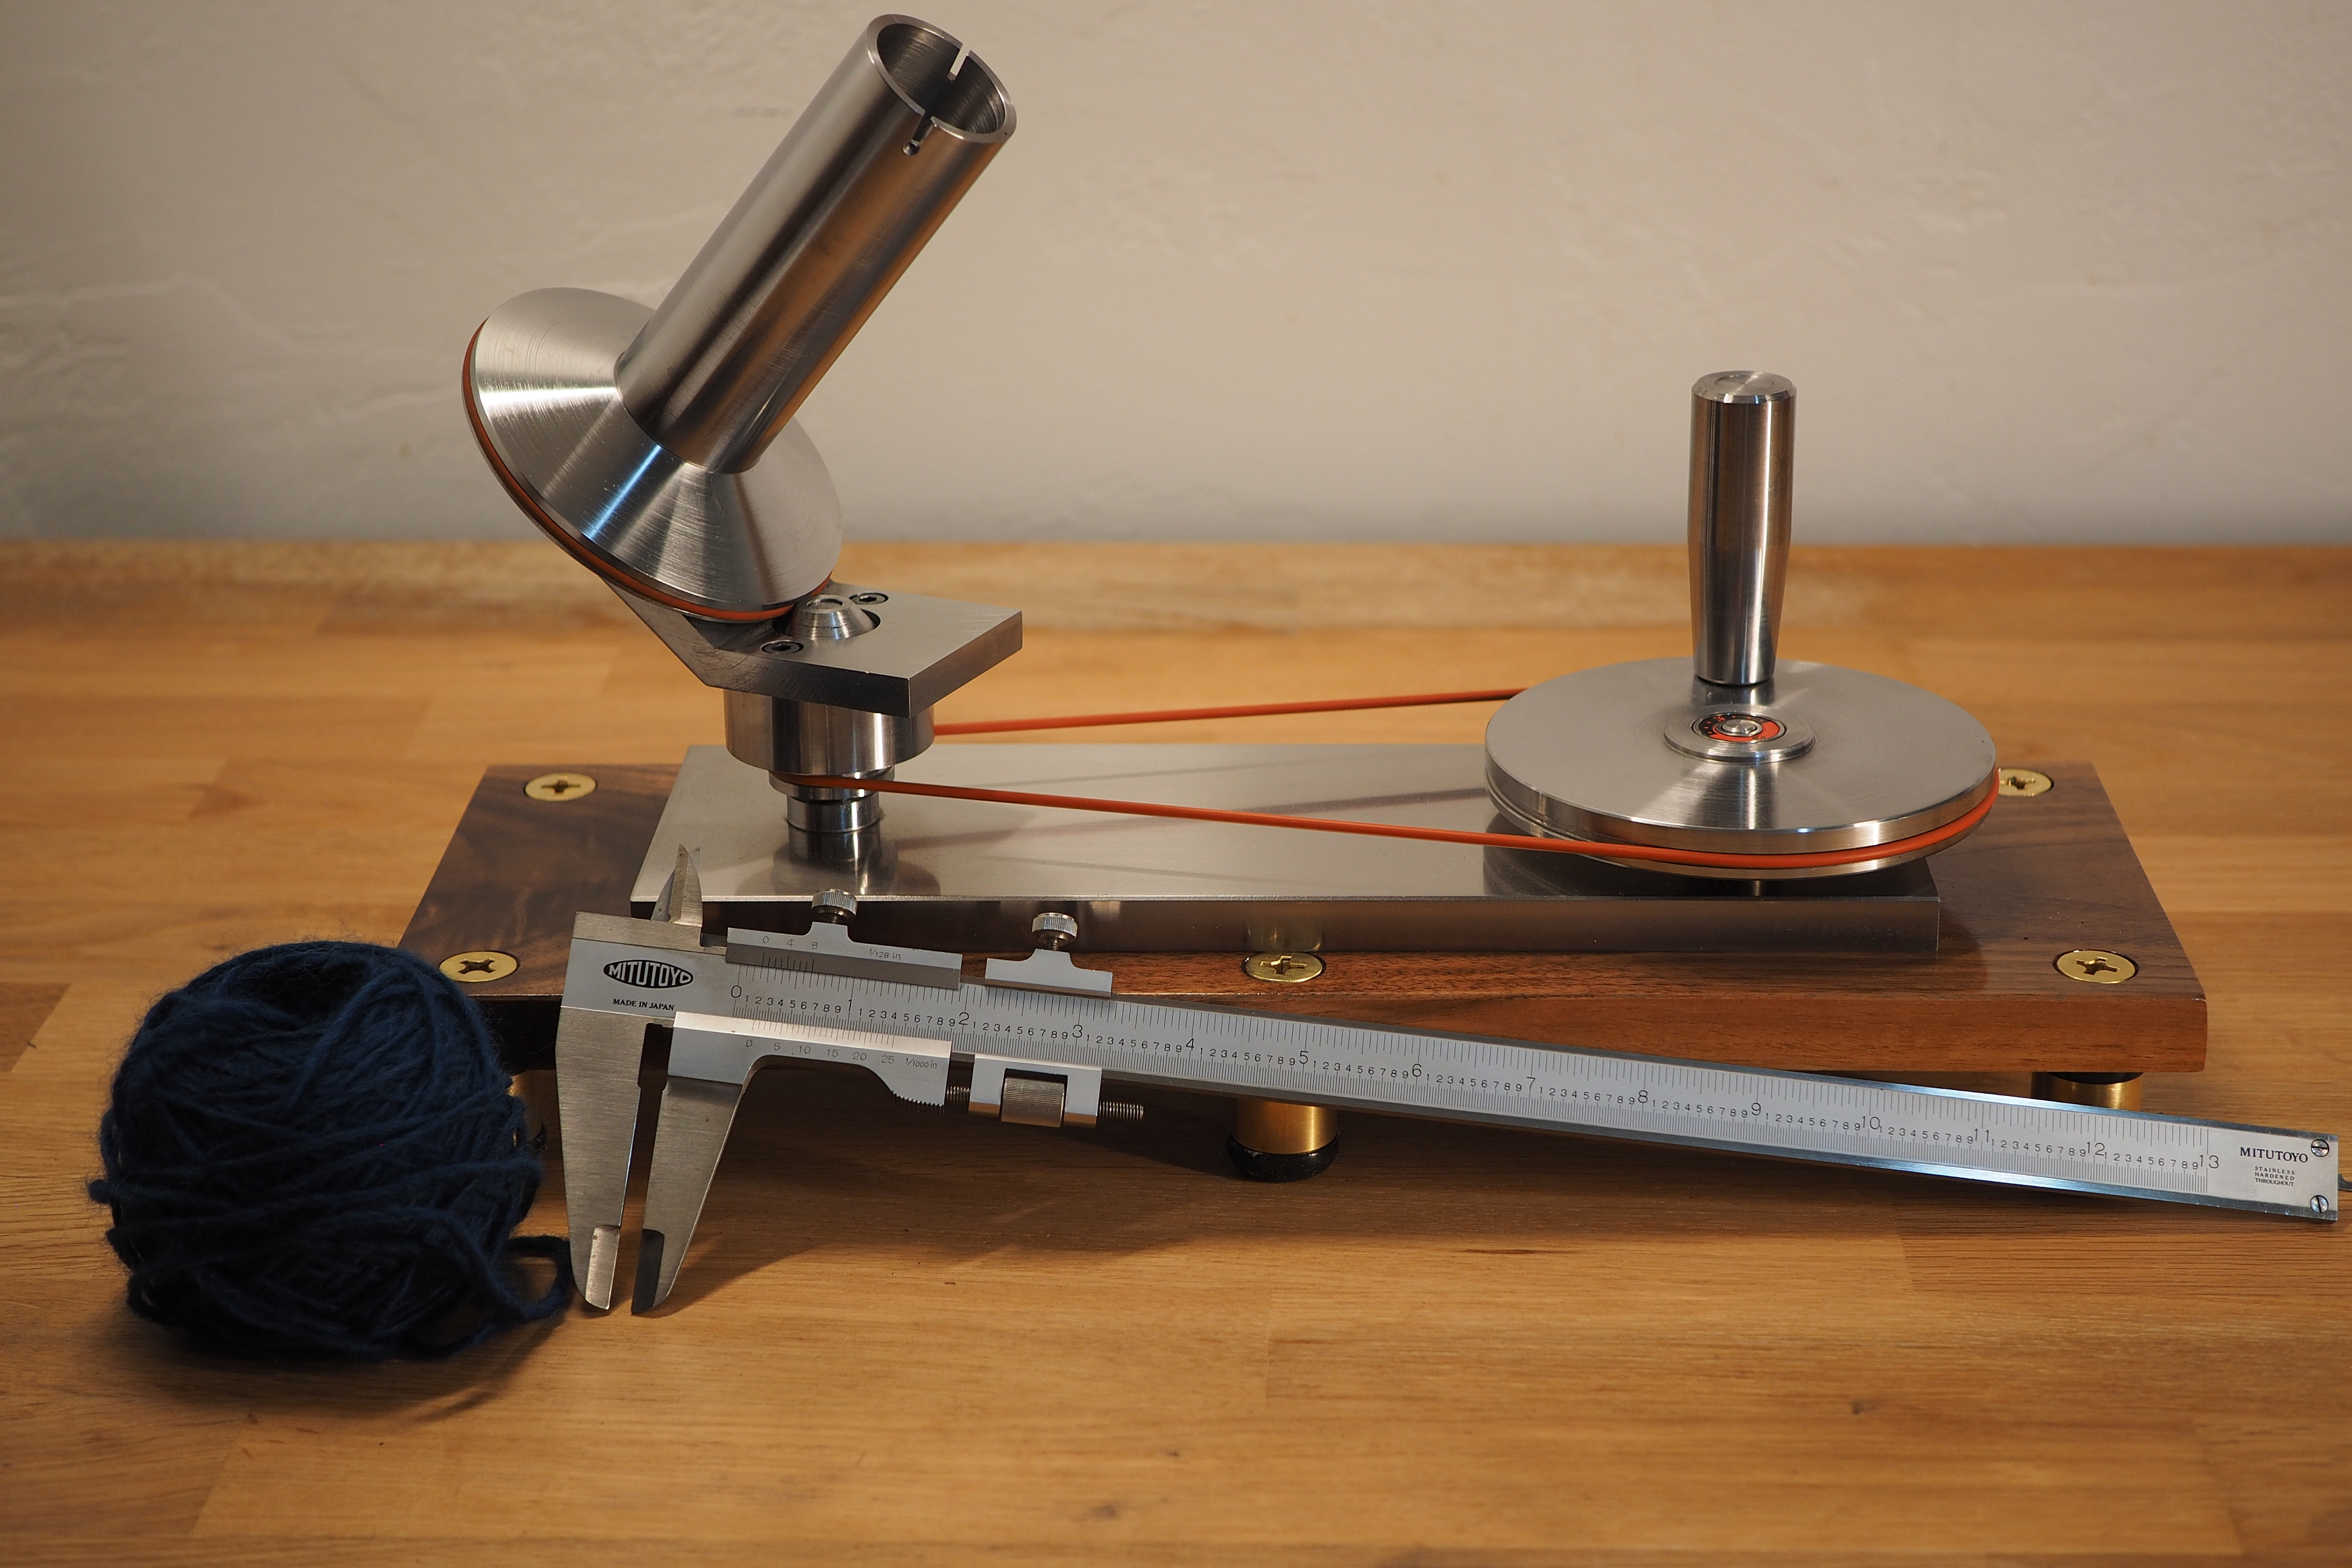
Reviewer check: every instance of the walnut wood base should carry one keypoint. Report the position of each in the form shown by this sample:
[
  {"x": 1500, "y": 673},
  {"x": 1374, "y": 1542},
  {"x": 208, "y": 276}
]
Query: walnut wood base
[{"x": 2046, "y": 874}]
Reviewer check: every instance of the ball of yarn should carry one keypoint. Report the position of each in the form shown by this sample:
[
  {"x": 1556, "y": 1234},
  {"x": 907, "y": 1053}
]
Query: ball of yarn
[{"x": 312, "y": 1150}]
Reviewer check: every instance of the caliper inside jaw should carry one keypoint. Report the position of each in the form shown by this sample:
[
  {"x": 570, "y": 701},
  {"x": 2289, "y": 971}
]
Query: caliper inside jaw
[{"x": 627, "y": 975}]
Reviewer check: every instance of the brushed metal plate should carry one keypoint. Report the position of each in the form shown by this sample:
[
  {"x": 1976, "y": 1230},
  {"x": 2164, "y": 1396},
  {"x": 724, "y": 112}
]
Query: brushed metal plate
[{"x": 968, "y": 875}]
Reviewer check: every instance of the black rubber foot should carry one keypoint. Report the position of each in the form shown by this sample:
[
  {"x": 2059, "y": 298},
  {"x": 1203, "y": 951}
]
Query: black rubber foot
[{"x": 1260, "y": 1167}]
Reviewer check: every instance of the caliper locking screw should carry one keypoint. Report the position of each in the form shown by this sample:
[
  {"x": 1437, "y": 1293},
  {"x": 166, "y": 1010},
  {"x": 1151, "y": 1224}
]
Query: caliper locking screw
[
  {"x": 960, "y": 1095},
  {"x": 1053, "y": 930},
  {"x": 834, "y": 906}
]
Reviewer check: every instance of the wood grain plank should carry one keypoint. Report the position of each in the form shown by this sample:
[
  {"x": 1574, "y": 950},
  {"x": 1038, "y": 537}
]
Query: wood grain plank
[
  {"x": 98, "y": 730},
  {"x": 23, "y": 1010}
]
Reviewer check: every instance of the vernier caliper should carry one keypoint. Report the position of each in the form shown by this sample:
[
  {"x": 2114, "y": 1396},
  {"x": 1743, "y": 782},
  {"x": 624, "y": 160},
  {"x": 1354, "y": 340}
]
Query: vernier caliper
[{"x": 1039, "y": 1037}]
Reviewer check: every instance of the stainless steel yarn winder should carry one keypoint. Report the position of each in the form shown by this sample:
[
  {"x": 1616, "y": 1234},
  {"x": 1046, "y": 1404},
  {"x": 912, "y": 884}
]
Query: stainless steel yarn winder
[{"x": 659, "y": 449}]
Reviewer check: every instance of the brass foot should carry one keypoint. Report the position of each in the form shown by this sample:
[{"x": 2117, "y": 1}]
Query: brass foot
[
  {"x": 2113, "y": 1091},
  {"x": 1277, "y": 1140}
]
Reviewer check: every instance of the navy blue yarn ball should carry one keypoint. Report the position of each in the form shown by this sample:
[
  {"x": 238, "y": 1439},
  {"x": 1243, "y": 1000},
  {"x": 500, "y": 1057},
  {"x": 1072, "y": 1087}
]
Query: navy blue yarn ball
[{"x": 312, "y": 1151}]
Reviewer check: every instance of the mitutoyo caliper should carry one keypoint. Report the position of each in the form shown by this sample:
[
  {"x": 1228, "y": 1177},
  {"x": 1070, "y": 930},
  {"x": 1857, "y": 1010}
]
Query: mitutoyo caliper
[{"x": 1037, "y": 1041}]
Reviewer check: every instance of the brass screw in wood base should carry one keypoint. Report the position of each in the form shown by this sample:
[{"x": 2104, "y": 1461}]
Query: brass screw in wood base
[
  {"x": 474, "y": 968},
  {"x": 1282, "y": 968},
  {"x": 561, "y": 787},
  {"x": 2096, "y": 965}
]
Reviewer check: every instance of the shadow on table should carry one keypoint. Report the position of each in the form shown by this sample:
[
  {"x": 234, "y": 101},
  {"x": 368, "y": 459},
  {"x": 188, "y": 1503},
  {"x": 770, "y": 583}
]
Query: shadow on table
[
  {"x": 182, "y": 1368},
  {"x": 821, "y": 1161}
]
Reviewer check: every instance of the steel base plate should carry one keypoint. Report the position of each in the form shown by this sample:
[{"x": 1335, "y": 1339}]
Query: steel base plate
[
  {"x": 968, "y": 875},
  {"x": 1819, "y": 758}
]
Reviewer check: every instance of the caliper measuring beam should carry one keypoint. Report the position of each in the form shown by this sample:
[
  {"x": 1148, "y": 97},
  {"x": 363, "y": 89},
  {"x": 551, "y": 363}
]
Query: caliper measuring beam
[{"x": 1041, "y": 1037}]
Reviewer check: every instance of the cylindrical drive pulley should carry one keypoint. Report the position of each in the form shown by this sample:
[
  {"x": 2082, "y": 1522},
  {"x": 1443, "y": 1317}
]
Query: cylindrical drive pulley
[
  {"x": 1743, "y": 436},
  {"x": 785, "y": 737}
]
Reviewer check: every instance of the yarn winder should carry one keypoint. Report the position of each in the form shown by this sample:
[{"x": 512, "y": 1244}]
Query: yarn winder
[{"x": 1773, "y": 902}]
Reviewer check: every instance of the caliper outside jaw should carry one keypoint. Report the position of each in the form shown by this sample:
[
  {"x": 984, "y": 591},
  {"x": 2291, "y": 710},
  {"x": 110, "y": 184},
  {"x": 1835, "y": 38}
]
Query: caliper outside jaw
[
  {"x": 622, "y": 975},
  {"x": 628, "y": 974}
]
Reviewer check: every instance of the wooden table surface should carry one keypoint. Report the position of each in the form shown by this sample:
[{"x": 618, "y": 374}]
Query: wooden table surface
[{"x": 916, "y": 1340}]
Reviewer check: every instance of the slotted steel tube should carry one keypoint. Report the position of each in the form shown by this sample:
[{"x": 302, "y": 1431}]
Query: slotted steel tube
[{"x": 864, "y": 178}]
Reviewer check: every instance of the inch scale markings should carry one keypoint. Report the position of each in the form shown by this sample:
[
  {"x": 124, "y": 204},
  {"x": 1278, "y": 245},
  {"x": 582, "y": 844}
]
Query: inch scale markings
[{"x": 1753, "y": 1111}]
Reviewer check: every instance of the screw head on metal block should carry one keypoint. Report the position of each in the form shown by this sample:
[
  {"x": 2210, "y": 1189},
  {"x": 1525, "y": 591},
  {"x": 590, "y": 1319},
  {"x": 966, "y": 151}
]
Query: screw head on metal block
[
  {"x": 834, "y": 906},
  {"x": 1739, "y": 726},
  {"x": 560, "y": 787},
  {"x": 2096, "y": 965},
  {"x": 1053, "y": 929},
  {"x": 1282, "y": 968},
  {"x": 828, "y": 617},
  {"x": 2023, "y": 781},
  {"x": 1739, "y": 735},
  {"x": 475, "y": 968}
]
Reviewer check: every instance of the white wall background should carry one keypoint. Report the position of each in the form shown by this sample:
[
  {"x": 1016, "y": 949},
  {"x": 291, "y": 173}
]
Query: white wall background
[{"x": 1303, "y": 269}]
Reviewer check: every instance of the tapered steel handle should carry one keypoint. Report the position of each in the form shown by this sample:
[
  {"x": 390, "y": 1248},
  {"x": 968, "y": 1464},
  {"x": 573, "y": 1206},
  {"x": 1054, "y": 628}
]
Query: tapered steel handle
[{"x": 1743, "y": 434}]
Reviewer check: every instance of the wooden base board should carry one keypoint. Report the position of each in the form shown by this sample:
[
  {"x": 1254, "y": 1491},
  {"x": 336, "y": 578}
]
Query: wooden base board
[{"x": 2045, "y": 874}]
